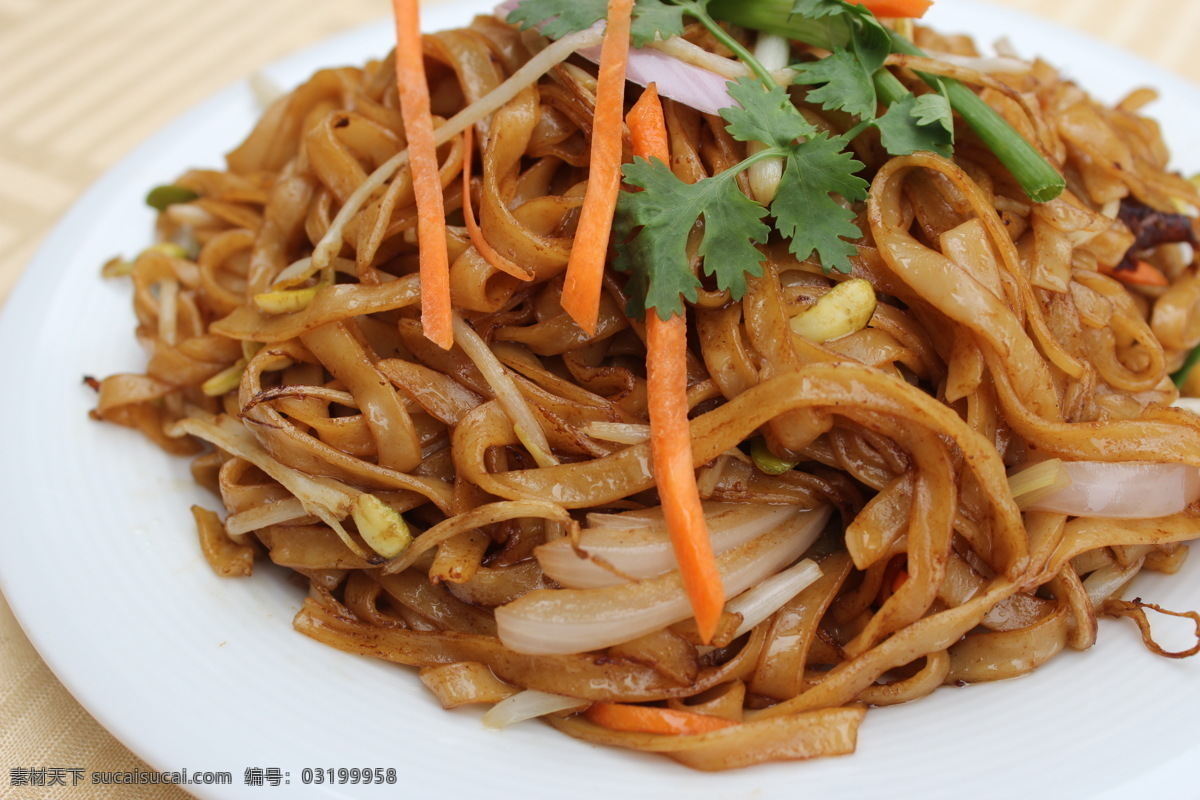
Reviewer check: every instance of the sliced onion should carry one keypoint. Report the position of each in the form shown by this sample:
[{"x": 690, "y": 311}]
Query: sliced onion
[
  {"x": 1108, "y": 580},
  {"x": 527, "y": 705},
  {"x": 756, "y": 604},
  {"x": 1126, "y": 490},
  {"x": 563, "y": 621},
  {"x": 694, "y": 86},
  {"x": 702, "y": 89},
  {"x": 636, "y": 544}
]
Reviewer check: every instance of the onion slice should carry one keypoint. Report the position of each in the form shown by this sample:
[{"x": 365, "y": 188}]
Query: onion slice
[
  {"x": 756, "y": 604},
  {"x": 1124, "y": 490},
  {"x": 637, "y": 545},
  {"x": 527, "y": 705},
  {"x": 700, "y": 88},
  {"x": 564, "y": 621}
]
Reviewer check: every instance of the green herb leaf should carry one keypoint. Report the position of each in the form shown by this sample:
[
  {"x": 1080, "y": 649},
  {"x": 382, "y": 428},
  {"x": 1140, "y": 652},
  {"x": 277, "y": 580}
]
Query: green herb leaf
[
  {"x": 664, "y": 213},
  {"x": 909, "y": 126},
  {"x": 934, "y": 109},
  {"x": 818, "y": 9},
  {"x": 652, "y": 17},
  {"x": 766, "y": 115},
  {"x": 844, "y": 83},
  {"x": 558, "y": 18},
  {"x": 806, "y": 213}
]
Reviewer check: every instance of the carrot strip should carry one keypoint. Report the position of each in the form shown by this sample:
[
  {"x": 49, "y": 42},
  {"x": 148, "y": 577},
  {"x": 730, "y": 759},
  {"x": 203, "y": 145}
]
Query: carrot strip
[
  {"x": 897, "y": 8},
  {"x": 474, "y": 232},
  {"x": 648, "y": 719},
  {"x": 670, "y": 435},
  {"x": 427, "y": 185},
  {"x": 585, "y": 269},
  {"x": 1142, "y": 274},
  {"x": 648, "y": 128},
  {"x": 671, "y": 451}
]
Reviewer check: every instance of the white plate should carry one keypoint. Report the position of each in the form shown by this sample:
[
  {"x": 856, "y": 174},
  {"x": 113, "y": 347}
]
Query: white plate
[{"x": 191, "y": 671}]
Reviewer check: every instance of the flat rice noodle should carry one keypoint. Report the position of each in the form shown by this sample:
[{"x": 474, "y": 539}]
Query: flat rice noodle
[
  {"x": 331, "y": 304},
  {"x": 290, "y": 446},
  {"x": 442, "y": 397},
  {"x": 226, "y": 557},
  {"x": 932, "y": 675},
  {"x": 309, "y": 547},
  {"x": 994, "y": 656},
  {"x": 414, "y": 591},
  {"x": 780, "y": 670},
  {"x": 875, "y": 529},
  {"x": 125, "y": 389},
  {"x": 844, "y": 387},
  {"x": 1087, "y": 533},
  {"x": 397, "y": 445},
  {"x": 582, "y": 676},
  {"x": 929, "y": 536},
  {"x": 795, "y": 737},
  {"x": 465, "y": 683},
  {"x": 933, "y": 633}
]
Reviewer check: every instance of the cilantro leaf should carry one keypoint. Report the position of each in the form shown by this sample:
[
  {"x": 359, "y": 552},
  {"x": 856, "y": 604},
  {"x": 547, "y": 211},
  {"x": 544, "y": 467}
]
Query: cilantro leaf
[
  {"x": 818, "y": 9},
  {"x": 652, "y": 17},
  {"x": 846, "y": 83},
  {"x": 732, "y": 225},
  {"x": 847, "y": 77},
  {"x": 805, "y": 212},
  {"x": 666, "y": 211},
  {"x": 871, "y": 43},
  {"x": 556, "y": 17},
  {"x": 766, "y": 115},
  {"x": 934, "y": 109},
  {"x": 910, "y": 125}
]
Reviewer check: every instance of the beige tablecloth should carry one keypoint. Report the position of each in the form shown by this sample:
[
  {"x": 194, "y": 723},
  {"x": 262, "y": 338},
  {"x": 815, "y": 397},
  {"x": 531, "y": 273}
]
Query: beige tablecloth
[{"x": 84, "y": 82}]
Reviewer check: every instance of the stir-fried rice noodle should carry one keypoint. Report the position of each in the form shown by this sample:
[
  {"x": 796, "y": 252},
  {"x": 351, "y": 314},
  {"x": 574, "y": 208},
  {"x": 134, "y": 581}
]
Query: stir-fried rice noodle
[{"x": 488, "y": 514}]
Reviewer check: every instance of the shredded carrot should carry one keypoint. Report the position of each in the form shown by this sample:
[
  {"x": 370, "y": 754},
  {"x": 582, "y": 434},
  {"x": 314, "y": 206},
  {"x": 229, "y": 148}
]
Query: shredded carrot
[
  {"x": 670, "y": 436},
  {"x": 671, "y": 450},
  {"x": 1142, "y": 274},
  {"x": 485, "y": 249},
  {"x": 648, "y": 128},
  {"x": 897, "y": 8},
  {"x": 648, "y": 719},
  {"x": 427, "y": 185},
  {"x": 585, "y": 270}
]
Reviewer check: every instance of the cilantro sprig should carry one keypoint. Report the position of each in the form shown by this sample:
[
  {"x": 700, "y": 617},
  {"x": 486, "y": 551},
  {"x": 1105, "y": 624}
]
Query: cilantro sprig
[
  {"x": 653, "y": 225},
  {"x": 909, "y": 121}
]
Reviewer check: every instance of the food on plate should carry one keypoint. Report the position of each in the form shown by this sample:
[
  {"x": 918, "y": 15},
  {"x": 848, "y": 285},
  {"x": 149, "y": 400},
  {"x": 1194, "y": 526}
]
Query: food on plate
[{"x": 692, "y": 375}]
